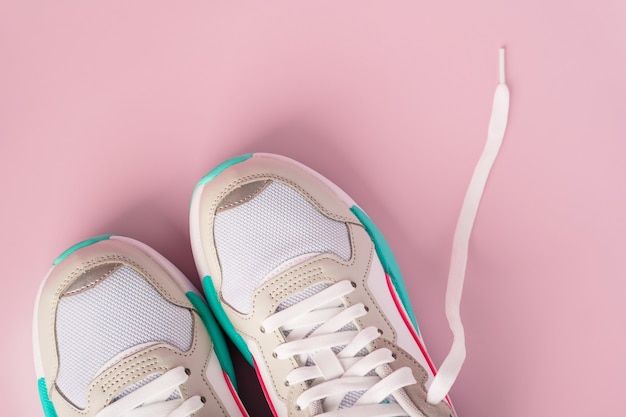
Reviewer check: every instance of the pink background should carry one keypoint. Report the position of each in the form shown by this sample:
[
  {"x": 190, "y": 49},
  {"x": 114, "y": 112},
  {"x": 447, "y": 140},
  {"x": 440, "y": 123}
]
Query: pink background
[{"x": 111, "y": 110}]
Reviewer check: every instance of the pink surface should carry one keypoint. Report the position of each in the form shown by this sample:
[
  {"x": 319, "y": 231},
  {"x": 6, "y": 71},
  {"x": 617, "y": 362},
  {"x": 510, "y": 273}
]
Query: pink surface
[{"x": 110, "y": 111}]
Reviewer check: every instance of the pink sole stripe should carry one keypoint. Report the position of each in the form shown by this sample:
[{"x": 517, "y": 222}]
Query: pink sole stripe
[
  {"x": 267, "y": 395},
  {"x": 235, "y": 395}
]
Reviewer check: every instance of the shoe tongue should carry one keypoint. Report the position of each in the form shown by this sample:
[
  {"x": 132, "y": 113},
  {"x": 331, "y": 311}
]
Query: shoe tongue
[{"x": 118, "y": 362}]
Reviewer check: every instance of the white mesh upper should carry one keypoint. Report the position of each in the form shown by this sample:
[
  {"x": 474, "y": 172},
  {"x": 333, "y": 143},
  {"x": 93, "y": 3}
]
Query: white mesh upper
[
  {"x": 94, "y": 326},
  {"x": 277, "y": 225}
]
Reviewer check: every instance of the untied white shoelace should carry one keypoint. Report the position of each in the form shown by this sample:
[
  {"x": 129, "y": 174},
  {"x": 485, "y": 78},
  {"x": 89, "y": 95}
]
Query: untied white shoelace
[
  {"x": 451, "y": 366},
  {"x": 316, "y": 326}
]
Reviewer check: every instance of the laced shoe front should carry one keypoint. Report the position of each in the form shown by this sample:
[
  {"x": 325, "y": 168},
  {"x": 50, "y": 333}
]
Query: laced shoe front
[
  {"x": 337, "y": 357},
  {"x": 306, "y": 287}
]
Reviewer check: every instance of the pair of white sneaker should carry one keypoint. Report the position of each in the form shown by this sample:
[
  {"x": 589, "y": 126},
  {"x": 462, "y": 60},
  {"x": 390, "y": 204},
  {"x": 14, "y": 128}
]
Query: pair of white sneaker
[{"x": 295, "y": 273}]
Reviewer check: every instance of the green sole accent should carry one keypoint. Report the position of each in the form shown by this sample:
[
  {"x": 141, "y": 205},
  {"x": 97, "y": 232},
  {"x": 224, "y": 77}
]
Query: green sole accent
[
  {"x": 48, "y": 407},
  {"x": 220, "y": 315},
  {"x": 390, "y": 265},
  {"x": 216, "y": 335},
  {"x": 221, "y": 167},
  {"x": 80, "y": 245}
]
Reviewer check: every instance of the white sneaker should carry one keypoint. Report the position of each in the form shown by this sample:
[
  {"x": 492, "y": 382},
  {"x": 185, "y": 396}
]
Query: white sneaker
[
  {"x": 118, "y": 332},
  {"x": 309, "y": 291}
]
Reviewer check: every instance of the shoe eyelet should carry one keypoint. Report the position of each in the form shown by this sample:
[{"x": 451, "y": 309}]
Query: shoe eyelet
[
  {"x": 366, "y": 308},
  {"x": 188, "y": 371},
  {"x": 286, "y": 383},
  {"x": 262, "y": 329},
  {"x": 298, "y": 408},
  {"x": 393, "y": 355},
  {"x": 203, "y": 400},
  {"x": 380, "y": 332},
  {"x": 274, "y": 355},
  {"x": 353, "y": 284}
]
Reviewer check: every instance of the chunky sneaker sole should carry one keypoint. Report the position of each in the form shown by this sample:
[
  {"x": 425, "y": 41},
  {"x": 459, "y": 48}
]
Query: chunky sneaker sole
[
  {"x": 119, "y": 330},
  {"x": 309, "y": 291}
]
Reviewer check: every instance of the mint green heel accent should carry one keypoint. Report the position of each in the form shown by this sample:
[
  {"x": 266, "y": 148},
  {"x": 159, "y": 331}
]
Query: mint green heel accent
[
  {"x": 390, "y": 265},
  {"x": 48, "y": 407},
  {"x": 80, "y": 245},
  {"x": 219, "y": 342},
  {"x": 220, "y": 315},
  {"x": 221, "y": 167}
]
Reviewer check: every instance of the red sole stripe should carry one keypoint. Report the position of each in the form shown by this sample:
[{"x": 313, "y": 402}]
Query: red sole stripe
[
  {"x": 409, "y": 326},
  {"x": 235, "y": 395},
  {"x": 264, "y": 388}
]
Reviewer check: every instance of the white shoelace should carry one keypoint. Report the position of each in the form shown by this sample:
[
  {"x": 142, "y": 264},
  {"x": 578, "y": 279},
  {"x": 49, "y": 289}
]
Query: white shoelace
[
  {"x": 452, "y": 364},
  {"x": 313, "y": 328},
  {"x": 151, "y": 399},
  {"x": 316, "y": 327}
]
